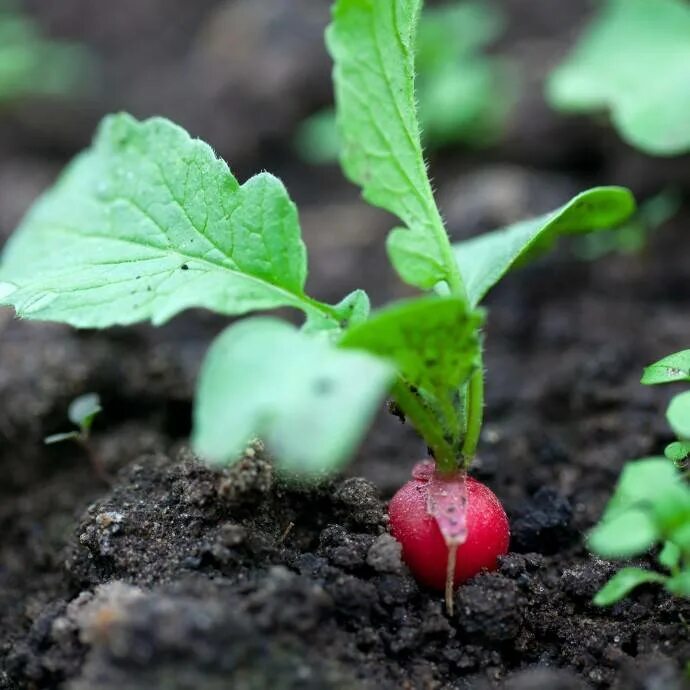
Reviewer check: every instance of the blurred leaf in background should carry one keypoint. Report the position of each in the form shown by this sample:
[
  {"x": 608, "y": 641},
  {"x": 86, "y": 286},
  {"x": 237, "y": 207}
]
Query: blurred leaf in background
[
  {"x": 464, "y": 94},
  {"x": 33, "y": 65},
  {"x": 634, "y": 60}
]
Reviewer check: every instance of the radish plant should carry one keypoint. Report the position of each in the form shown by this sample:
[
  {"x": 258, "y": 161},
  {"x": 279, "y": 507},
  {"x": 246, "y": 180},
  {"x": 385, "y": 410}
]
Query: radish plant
[
  {"x": 673, "y": 369},
  {"x": 149, "y": 222},
  {"x": 82, "y": 412},
  {"x": 651, "y": 504}
]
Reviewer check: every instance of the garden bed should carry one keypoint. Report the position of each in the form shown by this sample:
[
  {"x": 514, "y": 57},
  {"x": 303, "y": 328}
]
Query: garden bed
[{"x": 177, "y": 576}]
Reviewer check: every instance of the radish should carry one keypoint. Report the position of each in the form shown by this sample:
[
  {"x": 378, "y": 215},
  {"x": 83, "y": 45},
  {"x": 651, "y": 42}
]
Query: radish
[{"x": 450, "y": 527}]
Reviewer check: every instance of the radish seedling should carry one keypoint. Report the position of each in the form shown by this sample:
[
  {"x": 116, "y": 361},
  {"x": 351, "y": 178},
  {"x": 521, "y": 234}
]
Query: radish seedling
[
  {"x": 651, "y": 503},
  {"x": 672, "y": 369},
  {"x": 82, "y": 412},
  {"x": 148, "y": 223}
]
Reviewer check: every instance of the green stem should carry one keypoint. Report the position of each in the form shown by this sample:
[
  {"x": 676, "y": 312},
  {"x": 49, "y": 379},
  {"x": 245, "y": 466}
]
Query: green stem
[
  {"x": 475, "y": 387},
  {"x": 475, "y": 414},
  {"x": 427, "y": 426}
]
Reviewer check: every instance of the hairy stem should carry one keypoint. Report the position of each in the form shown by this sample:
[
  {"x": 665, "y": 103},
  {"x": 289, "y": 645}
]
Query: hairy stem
[{"x": 426, "y": 424}]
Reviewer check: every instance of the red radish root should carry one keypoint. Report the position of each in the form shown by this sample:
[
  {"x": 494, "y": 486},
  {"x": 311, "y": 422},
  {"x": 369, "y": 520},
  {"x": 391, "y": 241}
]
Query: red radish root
[{"x": 425, "y": 550}]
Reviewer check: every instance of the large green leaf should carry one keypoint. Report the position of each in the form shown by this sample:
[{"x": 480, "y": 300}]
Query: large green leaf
[
  {"x": 147, "y": 223},
  {"x": 485, "y": 259},
  {"x": 372, "y": 45},
  {"x": 634, "y": 59},
  {"x": 434, "y": 344},
  {"x": 308, "y": 400}
]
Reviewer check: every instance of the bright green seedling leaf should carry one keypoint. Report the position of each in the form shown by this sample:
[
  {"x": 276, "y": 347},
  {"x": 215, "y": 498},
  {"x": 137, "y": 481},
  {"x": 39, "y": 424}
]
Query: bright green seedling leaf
[
  {"x": 625, "y": 534},
  {"x": 678, "y": 415},
  {"x": 83, "y": 410},
  {"x": 643, "y": 483},
  {"x": 679, "y": 584},
  {"x": 485, "y": 259},
  {"x": 670, "y": 555},
  {"x": 434, "y": 344},
  {"x": 678, "y": 452},
  {"x": 310, "y": 402},
  {"x": 651, "y": 504},
  {"x": 147, "y": 223},
  {"x": 675, "y": 367},
  {"x": 623, "y": 582},
  {"x": 372, "y": 45},
  {"x": 60, "y": 438},
  {"x": 634, "y": 59}
]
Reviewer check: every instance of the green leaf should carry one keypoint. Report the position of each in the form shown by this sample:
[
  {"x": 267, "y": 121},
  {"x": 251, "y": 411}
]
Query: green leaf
[
  {"x": 679, "y": 584},
  {"x": 655, "y": 487},
  {"x": 681, "y": 535},
  {"x": 677, "y": 452},
  {"x": 83, "y": 410},
  {"x": 147, "y": 223},
  {"x": 669, "y": 557},
  {"x": 678, "y": 415},
  {"x": 625, "y": 534},
  {"x": 59, "y": 438},
  {"x": 623, "y": 582},
  {"x": 675, "y": 367},
  {"x": 434, "y": 345},
  {"x": 633, "y": 60},
  {"x": 372, "y": 45},
  {"x": 432, "y": 341},
  {"x": 642, "y": 481},
  {"x": 485, "y": 259},
  {"x": 463, "y": 93},
  {"x": 307, "y": 400}
]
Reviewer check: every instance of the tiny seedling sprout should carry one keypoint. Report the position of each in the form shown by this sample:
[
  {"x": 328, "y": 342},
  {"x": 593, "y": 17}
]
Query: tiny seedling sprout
[
  {"x": 82, "y": 412},
  {"x": 148, "y": 222}
]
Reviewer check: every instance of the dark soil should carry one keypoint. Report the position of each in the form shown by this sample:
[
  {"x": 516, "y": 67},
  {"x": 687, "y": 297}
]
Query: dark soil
[{"x": 177, "y": 577}]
